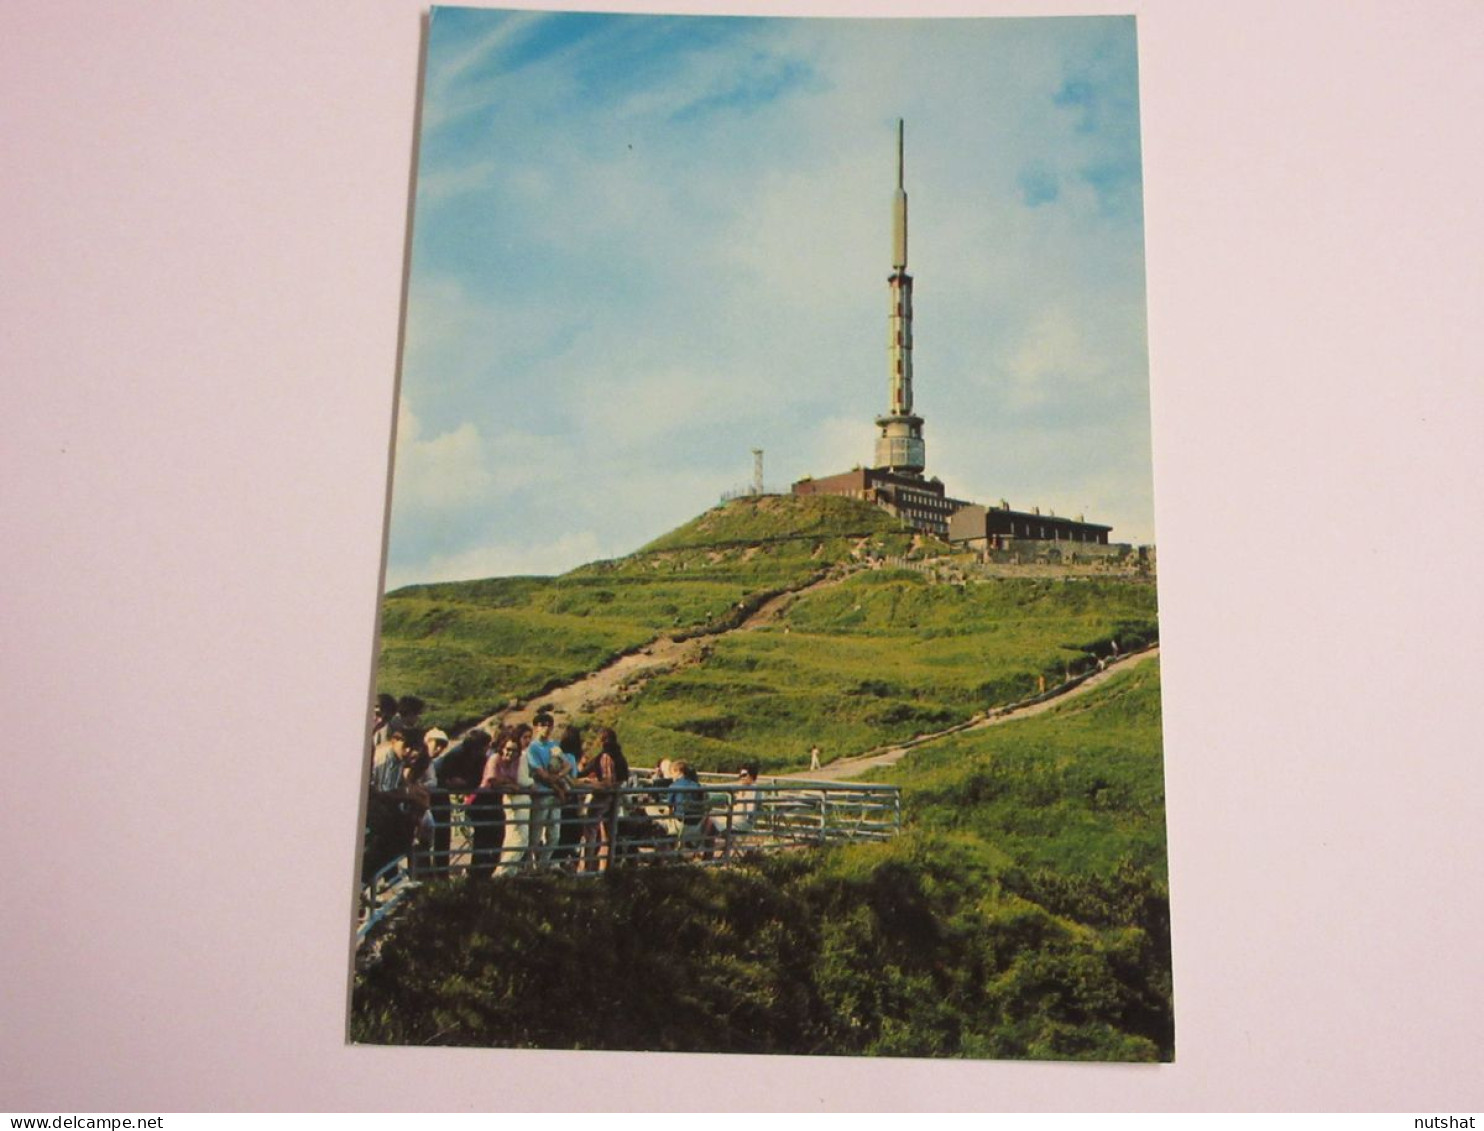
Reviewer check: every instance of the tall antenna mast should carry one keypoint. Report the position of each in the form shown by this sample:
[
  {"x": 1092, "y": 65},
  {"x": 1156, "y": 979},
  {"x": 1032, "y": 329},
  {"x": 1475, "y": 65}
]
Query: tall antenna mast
[
  {"x": 899, "y": 210},
  {"x": 899, "y": 447}
]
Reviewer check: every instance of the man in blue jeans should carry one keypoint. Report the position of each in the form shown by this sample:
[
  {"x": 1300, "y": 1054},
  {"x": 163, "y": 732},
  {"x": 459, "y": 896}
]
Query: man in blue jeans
[{"x": 548, "y": 788}]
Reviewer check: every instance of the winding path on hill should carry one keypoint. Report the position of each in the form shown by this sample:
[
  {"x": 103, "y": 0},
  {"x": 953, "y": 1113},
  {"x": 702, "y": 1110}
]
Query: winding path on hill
[
  {"x": 622, "y": 677},
  {"x": 852, "y": 767}
]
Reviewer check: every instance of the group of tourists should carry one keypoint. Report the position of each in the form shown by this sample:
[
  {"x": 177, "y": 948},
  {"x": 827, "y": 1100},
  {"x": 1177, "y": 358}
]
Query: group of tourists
[{"x": 529, "y": 796}]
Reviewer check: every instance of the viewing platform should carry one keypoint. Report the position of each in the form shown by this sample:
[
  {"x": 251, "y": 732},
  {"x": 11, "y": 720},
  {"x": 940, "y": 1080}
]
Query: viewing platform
[{"x": 643, "y": 824}]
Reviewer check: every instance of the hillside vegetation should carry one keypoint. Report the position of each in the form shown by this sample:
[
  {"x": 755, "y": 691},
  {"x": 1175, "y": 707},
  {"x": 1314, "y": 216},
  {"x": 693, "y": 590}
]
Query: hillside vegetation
[
  {"x": 467, "y": 648},
  {"x": 1023, "y": 914},
  {"x": 881, "y": 657}
]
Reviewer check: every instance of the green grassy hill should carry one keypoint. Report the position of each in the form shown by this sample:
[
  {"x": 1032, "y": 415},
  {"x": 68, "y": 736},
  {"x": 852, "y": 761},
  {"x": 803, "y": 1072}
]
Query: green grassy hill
[
  {"x": 881, "y": 657},
  {"x": 1024, "y": 913},
  {"x": 827, "y": 525},
  {"x": 1079, "y": 788},
  {"x": 469, "y": 647}
]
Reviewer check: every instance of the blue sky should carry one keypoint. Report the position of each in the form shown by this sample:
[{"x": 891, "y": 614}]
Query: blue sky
[{"x": 645, "y": 245}]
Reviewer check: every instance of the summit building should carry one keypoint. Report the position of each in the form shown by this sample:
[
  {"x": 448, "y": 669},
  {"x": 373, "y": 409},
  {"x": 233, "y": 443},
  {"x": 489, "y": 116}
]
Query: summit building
[{"x": 896, "y": 481}]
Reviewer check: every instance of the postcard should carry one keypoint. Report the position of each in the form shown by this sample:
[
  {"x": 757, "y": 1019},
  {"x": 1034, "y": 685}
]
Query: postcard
[{"x": 769, "y": 649}]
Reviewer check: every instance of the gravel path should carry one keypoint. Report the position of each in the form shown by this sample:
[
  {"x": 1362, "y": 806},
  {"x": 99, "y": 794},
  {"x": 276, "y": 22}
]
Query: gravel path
[
  {"x": 624, "y": 676},
  {"x": 844, "y": 768}
]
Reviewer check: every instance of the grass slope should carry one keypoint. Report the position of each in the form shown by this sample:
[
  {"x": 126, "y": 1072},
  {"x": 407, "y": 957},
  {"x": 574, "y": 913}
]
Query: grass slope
[
  {"x": 468, "y": 647},
  {"x": 1024, "y": 913},
  {"x": 1078, "y": 788},
  {"x": 882, "y": 657}
]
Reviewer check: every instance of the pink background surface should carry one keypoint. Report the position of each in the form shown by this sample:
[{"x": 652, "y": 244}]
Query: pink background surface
[{"x": 203, "y": 212}]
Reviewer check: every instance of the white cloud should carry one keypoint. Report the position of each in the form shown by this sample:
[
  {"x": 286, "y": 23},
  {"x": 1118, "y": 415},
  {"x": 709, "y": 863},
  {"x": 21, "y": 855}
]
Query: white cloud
[
  {"x": 503, "y": 559},
  {"x": 441, "y": 472},
  {"x": 1054, "y": 359},
  {"x": 445, "y": 482}
]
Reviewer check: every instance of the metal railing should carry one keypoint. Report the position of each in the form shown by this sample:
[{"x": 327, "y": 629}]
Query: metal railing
[
  {"x": 382, "y": 892},
  {"x": 495, "y": 832},
  {"x": 513, "y": 832}
]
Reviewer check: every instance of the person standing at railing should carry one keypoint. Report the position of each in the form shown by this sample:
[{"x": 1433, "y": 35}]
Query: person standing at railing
[
  {"x": 461, "y": 767},
  {"x": 459, "y": 771},
  {"x": 548, "y": 787},
  {"x": 418, "y": 779},
  {"x": 604, "y": 771},
  {"x": 440, "y": 812},
  {"x": 567, "y": 757},
  {"x": 401, "y": 781},
  {"x": 401, "y": 748},
  {"x": 507, "y": 771},
  {"x": 747, "y": 800},
  {"x": 392, "y": 813}
]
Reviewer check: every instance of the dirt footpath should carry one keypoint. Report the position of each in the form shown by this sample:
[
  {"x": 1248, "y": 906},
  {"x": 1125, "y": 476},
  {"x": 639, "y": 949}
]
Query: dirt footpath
[
  {"x": 625, "y": 675},
  {"x": 845, "y": 768}
]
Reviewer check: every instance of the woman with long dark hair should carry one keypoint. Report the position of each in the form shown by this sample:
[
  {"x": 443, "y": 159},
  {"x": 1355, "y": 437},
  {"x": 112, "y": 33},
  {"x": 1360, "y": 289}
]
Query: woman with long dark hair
[
  {"x": 573, "y": 808},
  {"x": 604, "y": 771},
  {"x": 460, "y": 771}
]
